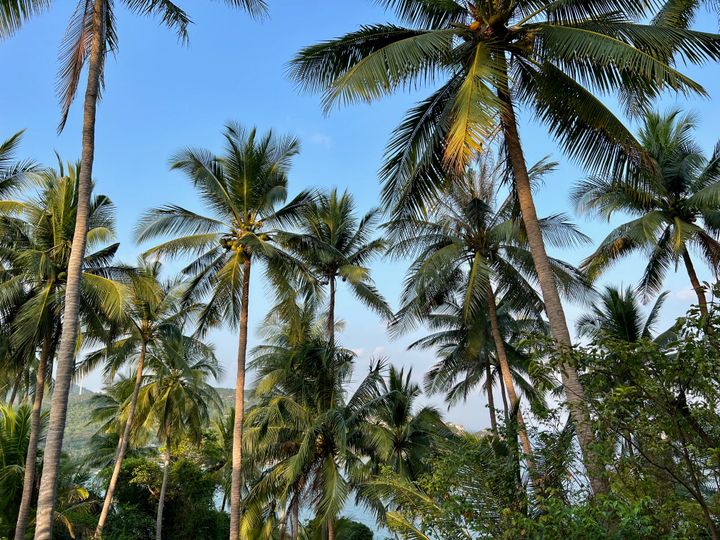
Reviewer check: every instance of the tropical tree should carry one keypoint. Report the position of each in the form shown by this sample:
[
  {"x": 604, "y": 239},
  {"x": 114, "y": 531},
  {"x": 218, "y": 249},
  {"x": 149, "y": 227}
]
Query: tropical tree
[
  {"x": 334, "y": 244},
  {"x": 467, "y": 356},
  {"x": 176, "y": 397},
  {"x": 306, "y": 426},
  {"x": 91, "y": 35},
  {"x": 13, "y": 178},
  {"x": 485, "y": 59},
  {"x": 618, "y": 315},
  {"x": 39, "y": 250},
  {"x": 674, "y": 202},
  {"x": 401, "y": 436},
  {"x": 155, "y": 309},
  {"x": 244, "y": 188},
  {"x": 471, "y": 245}
]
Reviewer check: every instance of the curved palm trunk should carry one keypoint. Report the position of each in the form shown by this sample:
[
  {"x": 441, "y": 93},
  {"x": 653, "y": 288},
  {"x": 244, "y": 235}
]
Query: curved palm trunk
[
  {"x": 163, "y": 489},
  {"x": 236, "y": 476},
  {"x": 331, "y": 312},
  {"x": 490, "y": 398},
  {"x": 507, "y": 377},
  {"x": 46, "y": 353},
  {"x": 122, "y": 444},
  {"x": 697, "y": 286},
  {"x": 553, "y": 307},
  {"x": 68, "y": 341}
]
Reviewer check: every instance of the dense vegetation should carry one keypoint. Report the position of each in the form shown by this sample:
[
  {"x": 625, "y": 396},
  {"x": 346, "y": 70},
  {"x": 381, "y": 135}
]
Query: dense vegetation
[{"x": 612, "y": 435}]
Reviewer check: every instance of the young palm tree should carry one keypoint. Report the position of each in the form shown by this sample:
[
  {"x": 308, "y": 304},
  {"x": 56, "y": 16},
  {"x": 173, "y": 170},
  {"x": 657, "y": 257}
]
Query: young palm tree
[
  {"x": 674, "y": 202},
  {"x": 91, "y": 35},
  {"x": 334, "y": 244},
  {"x": 154, "y": 310},
  {"x": 468, "y": 357},
  {"x": 176, "y": 396},
  {"x": 399, "y": 435},
  {"x": 244, "y": 188},
  {"x": 472, "y": 245},
  {"x": 618, "y": 315},
  {"x": 306, "y": 426},
  {"x": 488, "y": 58},
  {"x": 40, "y": 247}
]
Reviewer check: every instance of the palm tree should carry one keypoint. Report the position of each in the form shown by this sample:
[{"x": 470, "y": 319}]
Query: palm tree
[
  {"x": 618, "y": 315},
  {"x": 472, "y": 245},
  {"x": 399, "y": 435},
  {"x": 176, "y": 397},
  {"x": 674, "y": 202},
  {"x": 91, "y": 35},
  {"x": 39, "y": 253},
  {"x": 244, "y": 188},
  {"x": 468, "y": 357},
  {"x": 154, "y": 310},
  {"x": 334, "y": 244},
  {"x": 306, "y": 426},
  {"x": 487, "y": 58}
]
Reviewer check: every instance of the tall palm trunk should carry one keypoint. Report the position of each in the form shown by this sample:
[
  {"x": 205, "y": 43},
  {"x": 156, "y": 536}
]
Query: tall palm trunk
[
  {"x": 46, "y": 353},
  {"x": 507, "y": 377},
  {"x": 553, "y": 307},
  {"x": 331, "y": 312},
  {"x": 697, "y": 286},
  {"x": 68, "y": 341},
  {"x": 331, "y": 529},
  {"x": 236, "y": 475},
  {"x": 490, "y": 397},
  {"x": 122, "y": 443},
  {"x": 163, "y": 489}
]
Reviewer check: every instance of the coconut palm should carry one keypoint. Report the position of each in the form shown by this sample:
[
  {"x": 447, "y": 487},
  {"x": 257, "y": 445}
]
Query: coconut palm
[
  {"x": 39, "y": 252},
  {"x": 618, "y": 315},
  {"x": 468, "y": 358},
  {"x": 399, "y": 435},
  {"x": 154, "y": 309},
  {"x": 306, "y": 426},
  {"x": 674, "y": 203},
  {"x": 176, "y": 397},
  {"x": 473, "y": 245},
  {"x": 485, "y": 59},
  {"x": 244, "y": 188},
  {"x": 334, "y": 244},
  {"x": 91, "y": 35}
]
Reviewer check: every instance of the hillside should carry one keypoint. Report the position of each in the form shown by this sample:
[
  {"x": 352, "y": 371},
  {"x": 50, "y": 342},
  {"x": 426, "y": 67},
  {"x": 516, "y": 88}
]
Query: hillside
[{"x": 80, "y": 428}]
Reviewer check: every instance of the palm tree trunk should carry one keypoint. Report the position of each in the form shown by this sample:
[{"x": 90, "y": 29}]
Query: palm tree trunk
[
  {"x": 553, "y": 307},
  {"x": 503, "y": 394},
  {"x": 697, "y": 286},
  {"x": 68, "y": 341},
  {"x": 296, "y": 519},
  {"x": 490, "y": 398},
  {"x": 16, "y": 385},
  {"x": 163, "y": 489},
  {"x": 29, "y": 479},
  {"x": 331, "y": 312},
  {"x": 236, "y": 476},
  {"x": 122, "y": 443},
  {"x": 507, "y": 377},
  {"x": 331, "y": 529}
]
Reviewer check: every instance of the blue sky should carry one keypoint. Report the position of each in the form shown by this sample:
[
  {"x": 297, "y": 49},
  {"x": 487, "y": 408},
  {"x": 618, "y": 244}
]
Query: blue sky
[{"x": 162, "y": 96}]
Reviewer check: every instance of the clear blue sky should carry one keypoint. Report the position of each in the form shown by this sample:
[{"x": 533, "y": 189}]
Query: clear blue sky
[{"x": 161, "y": 96}]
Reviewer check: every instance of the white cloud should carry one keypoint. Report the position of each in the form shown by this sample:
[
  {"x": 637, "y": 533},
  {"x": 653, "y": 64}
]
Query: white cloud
[
  {"x": 358, "y": 352},
  {"x": 688, "y": 293}
]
